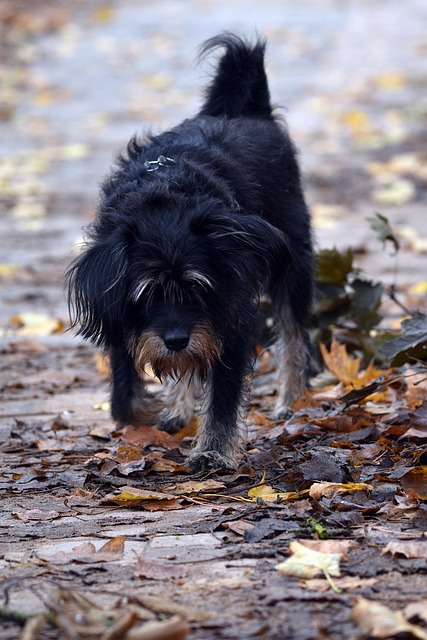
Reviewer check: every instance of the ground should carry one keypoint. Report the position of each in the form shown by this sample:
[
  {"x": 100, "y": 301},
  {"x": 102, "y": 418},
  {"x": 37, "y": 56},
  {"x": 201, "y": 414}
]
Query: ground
[{"x": 114, "y": 517}]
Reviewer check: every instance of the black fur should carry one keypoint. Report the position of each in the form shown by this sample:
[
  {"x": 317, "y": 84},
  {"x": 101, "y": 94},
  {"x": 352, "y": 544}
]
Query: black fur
[{"x": 194, "y": 225}]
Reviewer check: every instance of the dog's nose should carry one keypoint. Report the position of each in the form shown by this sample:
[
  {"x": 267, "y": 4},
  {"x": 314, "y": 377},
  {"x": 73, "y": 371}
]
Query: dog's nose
[{"x": 176, "y": 340}]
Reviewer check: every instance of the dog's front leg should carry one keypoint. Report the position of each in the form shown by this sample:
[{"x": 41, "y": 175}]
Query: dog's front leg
[
  {"x": 130, "y": 402},
  {"x": 219, "y": 434}
]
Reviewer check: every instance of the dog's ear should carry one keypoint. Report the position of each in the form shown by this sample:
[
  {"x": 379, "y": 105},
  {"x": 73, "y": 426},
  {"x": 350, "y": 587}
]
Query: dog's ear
[
  {"x": 249, "y": 241},
  {"x": 97, "y": 292}
]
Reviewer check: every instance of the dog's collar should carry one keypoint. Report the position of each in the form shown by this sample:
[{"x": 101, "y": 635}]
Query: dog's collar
[{"x": 162, "y": 161}]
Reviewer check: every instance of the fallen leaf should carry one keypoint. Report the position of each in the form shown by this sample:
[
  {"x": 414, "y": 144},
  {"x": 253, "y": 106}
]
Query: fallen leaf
[
  {"x": 268, "y": 494},
  {"x": 378, "y": 621},
  {"x": 125, "y": 458},
  {"x": 390, "y": 81},
  {"x": 144, "y": 436},
  {"x": 37, "y": 514},
  {"x": 86, "y": 553},
  {"x": 7, "y": 270},
  {"x": 307, "y": 563},
  {"x": 35, "y": 324},
  {"x": 132, "y": 494},
  {"x": 407, "y": 548},
  {"x": 149, "y": 500},
  {"x": 154, "y": 570},
  {"x": 240, "y": 527},
  {"x": 340, "y": 547},
  {"x": 344, "y": 367},
  {"x": 329, "y": 489},
  {"x": 416, "y": 480},
  {"x": 195, "y": 486}
]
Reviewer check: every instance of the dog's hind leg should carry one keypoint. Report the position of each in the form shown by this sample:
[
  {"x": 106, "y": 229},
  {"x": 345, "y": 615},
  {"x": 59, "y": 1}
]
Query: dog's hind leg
[
  {"x": 179, "y": 400},
  {"x": 131, "y": 404},
  {"x": 294, "y": 362}
]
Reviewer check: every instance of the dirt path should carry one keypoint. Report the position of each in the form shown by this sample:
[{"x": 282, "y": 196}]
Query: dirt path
[{"x": 76, "y": 81}]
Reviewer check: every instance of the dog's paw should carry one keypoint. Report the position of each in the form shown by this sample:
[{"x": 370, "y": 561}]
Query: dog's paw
[
  {"x": 209, "y": 460},
  {"x": 282, "y": 412}
]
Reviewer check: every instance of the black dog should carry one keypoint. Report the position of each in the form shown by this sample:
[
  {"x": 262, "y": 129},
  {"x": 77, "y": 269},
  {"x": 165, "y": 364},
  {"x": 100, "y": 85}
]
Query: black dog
[{"x": 194, "y": 226}]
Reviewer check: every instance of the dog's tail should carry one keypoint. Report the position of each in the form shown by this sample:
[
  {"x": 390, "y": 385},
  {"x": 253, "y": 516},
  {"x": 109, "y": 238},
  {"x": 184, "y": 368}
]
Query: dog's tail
[{"x": 239, "y": 87}]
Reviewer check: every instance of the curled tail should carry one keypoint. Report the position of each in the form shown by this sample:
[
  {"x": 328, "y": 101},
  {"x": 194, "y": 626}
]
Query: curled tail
[{"x": 239, "y": 87}]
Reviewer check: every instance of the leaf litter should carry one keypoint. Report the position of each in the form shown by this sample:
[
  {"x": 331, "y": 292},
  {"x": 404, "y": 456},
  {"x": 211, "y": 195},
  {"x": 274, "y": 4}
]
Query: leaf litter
[{"x": 339, "y": 487}]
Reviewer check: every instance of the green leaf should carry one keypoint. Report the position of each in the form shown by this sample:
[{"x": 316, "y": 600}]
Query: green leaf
[
  {"x": 333, "y": 266},
  {"x": 382, "y": 228},
  {"x": 366, "y": 302}
]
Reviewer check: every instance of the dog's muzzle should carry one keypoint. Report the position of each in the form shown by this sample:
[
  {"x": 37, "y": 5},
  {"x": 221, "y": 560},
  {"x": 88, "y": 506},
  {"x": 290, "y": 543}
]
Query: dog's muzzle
[{"x": 177, "y": 353}]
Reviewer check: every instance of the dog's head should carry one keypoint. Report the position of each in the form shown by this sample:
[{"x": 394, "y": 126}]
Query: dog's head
[{"x": 171, "y": 287}]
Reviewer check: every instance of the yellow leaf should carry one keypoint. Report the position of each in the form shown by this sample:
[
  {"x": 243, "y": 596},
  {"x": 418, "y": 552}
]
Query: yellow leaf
[
  {"x": 417, "y": 289},
  {"x": 102, "y": 406},
  {"x": 104, "y": 12},
  {"x": 357, "y": 121},
  {"x": 390, "y": 81},
  {"x": 340, "y": 363},
  {"x": 102, "y": 362},
  {"x": 132, "y": 494},
  {"x": 268, "y": 494},
  {"x": 36, "y": 324},
  {"x": 308, "y": 563},
  {"x": 346, "y": 368},
  {"x": 7, "y": 270},
  {"x": 328, "y": 489},
  {"x": 157, "y": 81}
]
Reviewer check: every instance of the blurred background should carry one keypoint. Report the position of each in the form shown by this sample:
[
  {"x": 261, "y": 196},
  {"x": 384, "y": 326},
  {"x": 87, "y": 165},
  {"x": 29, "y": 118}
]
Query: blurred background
[{"x": 79, "y": 77}]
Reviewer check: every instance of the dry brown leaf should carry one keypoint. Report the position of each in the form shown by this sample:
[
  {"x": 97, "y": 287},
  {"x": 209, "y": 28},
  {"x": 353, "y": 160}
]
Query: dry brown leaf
[
  {"x": 86, "y": 553},
  {"x": 154, "y": 570},
  {"x": 378, "y": 621},
  {"x": 238, "y": 526},
  {"x": 126, "y": 458},
  {"x": 161, "y": 505},
  {"x": 37, "y": 514},
  {"x": 174, "y": 629},
  {"x": 195, "y": 486},
  {"x": 330, "y": 546},
  {"x": 407, "y": 548},
  {"x": 78, "y": 617},
  {"x": 416, "y": 480},
  {"x": 144, "y": 436}
]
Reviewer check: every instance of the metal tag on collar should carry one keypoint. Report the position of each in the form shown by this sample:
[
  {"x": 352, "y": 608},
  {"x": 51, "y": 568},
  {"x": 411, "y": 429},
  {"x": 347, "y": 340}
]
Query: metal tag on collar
[{"x": 162, "y": 161}]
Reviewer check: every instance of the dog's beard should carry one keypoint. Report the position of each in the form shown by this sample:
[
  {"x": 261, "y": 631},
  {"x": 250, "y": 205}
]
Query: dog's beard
[{"x": 202, "y": 351}]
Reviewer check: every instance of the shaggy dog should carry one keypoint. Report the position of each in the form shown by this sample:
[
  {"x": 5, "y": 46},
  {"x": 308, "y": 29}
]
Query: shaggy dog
[{"x": 194, "y": 227}]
